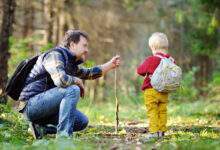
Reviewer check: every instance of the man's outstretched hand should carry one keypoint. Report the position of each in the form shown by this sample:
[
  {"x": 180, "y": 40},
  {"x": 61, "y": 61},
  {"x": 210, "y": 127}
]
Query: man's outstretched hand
[
  {"x": 115, "y": 61},
  {"x": 112, "y": 64}
]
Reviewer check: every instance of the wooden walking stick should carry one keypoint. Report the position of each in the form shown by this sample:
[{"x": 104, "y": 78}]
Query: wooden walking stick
[{"x": 116, "y": 104}]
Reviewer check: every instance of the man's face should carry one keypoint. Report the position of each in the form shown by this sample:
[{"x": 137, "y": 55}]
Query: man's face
[{"x": 80, "y": 48}]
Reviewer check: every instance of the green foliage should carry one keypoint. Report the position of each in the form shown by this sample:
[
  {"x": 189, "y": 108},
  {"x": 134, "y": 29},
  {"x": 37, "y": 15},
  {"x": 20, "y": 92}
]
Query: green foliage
[
  {"x": 199, "y": 25},
  {"x": 179, "y": 16},
  {"x": 89, "y": 64},
  {"x": 188, "y": 91},
  {"x": 202, "y": 43},
  {"x": 197, "y": 109},
  {"x": 82, "y": 2},
  {"x": 182, "y": 141},
  {"x": 13, "y": 128},
  {"x": 46, "y": 47},
  {"x": 20, "y": 49},
  {"x": 131, "y": 4},
  {"x": 211, "y": 4},
  {"x": 216, "y": 78},
  {"x": 201, "y": 36}
]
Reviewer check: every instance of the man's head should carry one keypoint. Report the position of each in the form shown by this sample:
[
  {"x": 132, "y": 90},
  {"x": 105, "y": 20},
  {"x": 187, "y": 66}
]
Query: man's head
[
  {"x": 158, "y": 42},
  {"x": 77, "y": 42}
]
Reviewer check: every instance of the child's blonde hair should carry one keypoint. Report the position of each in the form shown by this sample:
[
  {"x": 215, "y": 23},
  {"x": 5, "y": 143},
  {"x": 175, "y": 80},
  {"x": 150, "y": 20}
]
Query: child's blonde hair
[{"x": 158, "y": 41}]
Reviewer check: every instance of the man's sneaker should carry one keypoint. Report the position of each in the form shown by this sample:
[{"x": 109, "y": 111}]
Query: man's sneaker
[
  {"x": 161, "y": 134},
  {"x": 36, "y": 130},
  {"x": 49, "y": 129},
  {"x": 150, "y": 137}
]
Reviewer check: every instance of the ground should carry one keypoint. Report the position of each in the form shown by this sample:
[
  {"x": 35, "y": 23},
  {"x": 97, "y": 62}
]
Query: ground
[{"x": 192, "y": 125}]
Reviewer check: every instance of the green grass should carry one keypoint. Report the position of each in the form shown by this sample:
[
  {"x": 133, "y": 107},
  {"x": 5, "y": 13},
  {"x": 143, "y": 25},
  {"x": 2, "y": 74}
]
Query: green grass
[{"x": 192, "y": 125}]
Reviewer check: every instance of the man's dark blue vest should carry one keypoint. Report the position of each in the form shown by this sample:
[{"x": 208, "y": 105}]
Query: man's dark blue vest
[{"x": 45, "y": 82}]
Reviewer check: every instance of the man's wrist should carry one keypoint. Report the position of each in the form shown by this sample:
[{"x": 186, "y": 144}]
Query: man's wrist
[
  {"x": 75, "y": 81},
  {"x": 106, "y": 67}
]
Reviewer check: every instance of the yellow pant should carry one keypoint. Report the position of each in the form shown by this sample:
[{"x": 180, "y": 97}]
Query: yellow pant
[{"x": 156, "y": 104}]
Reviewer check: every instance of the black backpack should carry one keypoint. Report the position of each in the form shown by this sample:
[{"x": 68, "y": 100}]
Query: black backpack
[{"x": 17, "y": 81}]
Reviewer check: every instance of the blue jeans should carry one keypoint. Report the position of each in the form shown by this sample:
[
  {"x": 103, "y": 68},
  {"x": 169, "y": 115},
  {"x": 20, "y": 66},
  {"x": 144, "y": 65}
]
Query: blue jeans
[{"x": 57, "y": 106}]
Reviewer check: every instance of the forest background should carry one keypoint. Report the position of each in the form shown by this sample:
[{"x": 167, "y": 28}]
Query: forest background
[{"x": 122, "y": 27}]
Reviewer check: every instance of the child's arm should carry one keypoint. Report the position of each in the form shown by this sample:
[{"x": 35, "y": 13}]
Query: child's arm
[{"x": 143, "y": 68}]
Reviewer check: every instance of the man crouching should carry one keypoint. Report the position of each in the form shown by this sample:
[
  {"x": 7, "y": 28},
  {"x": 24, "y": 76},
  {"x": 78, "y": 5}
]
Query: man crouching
[{"x": 53, "y": 97}]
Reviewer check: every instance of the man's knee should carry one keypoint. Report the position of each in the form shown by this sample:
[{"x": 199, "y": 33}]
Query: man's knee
[
  {"x": 82, "y": 124},
  {"x": 73, "y": 89},
  {"x": 85, "y": 123}
]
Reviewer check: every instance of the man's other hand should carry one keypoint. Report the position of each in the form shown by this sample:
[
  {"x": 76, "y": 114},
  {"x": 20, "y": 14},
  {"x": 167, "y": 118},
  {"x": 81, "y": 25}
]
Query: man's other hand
[{"x": 79, "y": 82}]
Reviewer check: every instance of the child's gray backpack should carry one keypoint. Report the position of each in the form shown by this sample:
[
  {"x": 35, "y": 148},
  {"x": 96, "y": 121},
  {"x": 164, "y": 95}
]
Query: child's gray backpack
[{"x": 167, "y": 76}]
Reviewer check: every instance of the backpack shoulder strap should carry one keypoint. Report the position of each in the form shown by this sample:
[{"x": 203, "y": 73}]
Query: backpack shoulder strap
[
  {"x": 59, "y": 50},
  {"x": 171, "y": 58},
  {"x": 159, "y": 56},
  {"x": 41, "y": 76}
]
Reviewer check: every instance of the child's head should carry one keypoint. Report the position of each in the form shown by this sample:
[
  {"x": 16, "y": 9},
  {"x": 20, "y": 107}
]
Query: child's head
[{"x": 158, "y": 42}]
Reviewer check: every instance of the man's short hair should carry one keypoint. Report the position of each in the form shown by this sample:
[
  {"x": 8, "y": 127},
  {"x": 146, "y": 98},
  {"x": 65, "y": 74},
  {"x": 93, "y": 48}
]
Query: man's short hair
[
  {"x": 73, "y": 36},
  {"x": 158, "y": 41}
]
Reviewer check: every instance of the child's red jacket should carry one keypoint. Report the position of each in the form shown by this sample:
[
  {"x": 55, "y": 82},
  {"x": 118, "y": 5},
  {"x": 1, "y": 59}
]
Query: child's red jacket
[{"x": 148, "y": 67}]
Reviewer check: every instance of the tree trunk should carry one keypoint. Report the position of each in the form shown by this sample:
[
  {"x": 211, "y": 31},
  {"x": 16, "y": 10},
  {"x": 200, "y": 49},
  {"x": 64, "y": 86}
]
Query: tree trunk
[
  {"x": 63, "y": 20},
  {"x": 57, "y": 30},
  {"x": 105, "y": 92},
  {"x": 205, "y": 70},
  {"x": 29, "y": 17},
  {"x": 6, "y": 31},
  {"x": 61, "y": 25},
  {"x": 49, "y": 14},
  {"x": 95, "y": 90}
]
